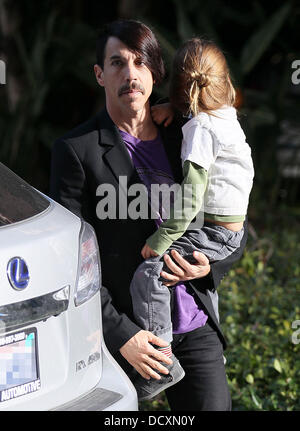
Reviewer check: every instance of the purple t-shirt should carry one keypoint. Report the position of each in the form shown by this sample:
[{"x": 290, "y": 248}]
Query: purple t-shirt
[{"x": 152, "y": 165}]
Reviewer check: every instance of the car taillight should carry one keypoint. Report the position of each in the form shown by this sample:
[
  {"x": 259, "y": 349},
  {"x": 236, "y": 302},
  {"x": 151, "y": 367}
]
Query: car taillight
[{"x": 89, "y": 271}]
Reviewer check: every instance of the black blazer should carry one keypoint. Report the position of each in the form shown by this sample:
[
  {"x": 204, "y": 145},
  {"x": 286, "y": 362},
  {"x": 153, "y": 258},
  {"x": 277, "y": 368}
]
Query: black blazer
[{"x": 93, "y": 154}]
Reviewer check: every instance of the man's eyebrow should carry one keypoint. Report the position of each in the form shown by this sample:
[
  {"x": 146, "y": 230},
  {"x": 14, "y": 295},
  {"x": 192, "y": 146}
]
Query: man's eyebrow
[{"x": 115, "y": 57}]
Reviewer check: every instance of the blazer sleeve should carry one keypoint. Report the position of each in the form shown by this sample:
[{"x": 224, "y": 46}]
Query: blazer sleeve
[
  {"x": 117, "y": 328},
  {"x": 220, "y": 268},
  {"x": 68, "y": 187},
  {"x": 67, "y": 181}
]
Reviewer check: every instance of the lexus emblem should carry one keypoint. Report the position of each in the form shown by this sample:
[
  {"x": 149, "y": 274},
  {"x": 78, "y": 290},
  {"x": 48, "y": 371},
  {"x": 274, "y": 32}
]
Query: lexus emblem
[{"x": 17, "y": 273}]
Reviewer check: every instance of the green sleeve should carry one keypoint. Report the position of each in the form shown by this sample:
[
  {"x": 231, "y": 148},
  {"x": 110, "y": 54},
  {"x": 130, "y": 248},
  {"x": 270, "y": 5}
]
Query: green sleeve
[
  {"x": 173, "y": 228},
  {"x": 225, "y": 218}
]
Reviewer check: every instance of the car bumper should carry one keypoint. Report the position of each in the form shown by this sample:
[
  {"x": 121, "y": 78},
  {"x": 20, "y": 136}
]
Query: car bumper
[
  {"x": 114, "y": 391},
  {"x": 97, "y": 400}
]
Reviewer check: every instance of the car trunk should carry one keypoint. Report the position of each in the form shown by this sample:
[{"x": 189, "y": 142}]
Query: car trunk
[{"x": 59, "y": 341}]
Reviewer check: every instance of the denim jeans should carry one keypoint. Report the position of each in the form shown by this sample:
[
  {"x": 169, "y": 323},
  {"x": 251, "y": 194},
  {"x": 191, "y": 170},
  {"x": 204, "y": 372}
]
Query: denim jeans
[{"x": 151, "y": 299}]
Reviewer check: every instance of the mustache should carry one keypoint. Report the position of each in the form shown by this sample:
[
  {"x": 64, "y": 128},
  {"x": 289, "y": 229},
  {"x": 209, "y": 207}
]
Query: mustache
[{"x": 131, "y": 86}]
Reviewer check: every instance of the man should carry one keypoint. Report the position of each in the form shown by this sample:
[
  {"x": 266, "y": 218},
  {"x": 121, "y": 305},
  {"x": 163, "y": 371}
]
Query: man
[{"x": 101, "y": 151}]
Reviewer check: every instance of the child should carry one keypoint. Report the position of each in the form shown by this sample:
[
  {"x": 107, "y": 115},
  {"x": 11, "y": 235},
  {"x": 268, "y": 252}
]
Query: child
[{"x": 216, "y": 159}]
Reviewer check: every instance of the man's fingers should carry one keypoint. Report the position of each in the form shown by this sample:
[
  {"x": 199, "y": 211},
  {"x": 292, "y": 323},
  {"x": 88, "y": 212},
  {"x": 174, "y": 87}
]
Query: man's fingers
[
  {"x": 173, "y": 267},
  {"x": 141, "y": 354},
  {"x": 161, "y": 357},
  {"x": 201, "y": 258},
  {"x": 140, "y": 370},
  {"x": 147, "y": 370},
  {"x": 151, "y": 372},
  {"x": 155, "y": 353},
  {"x": 157, "y": 341},
  {"x": 157, "y": 366},
  {"x": 170, "y": 284},
  {"x": 182, "y": 262},
  {"x": 187, "y": 268},
  {"x": 173, "y": 278}
]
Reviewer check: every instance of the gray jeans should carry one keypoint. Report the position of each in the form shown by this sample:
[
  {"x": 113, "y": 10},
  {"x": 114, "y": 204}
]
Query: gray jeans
[{"x": 151, "y": 299}]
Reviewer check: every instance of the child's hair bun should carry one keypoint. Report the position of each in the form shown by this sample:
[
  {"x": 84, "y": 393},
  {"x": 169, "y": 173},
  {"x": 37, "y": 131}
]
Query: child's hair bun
[
  {"x": 203, "y": 79},
  {"x": 200, "y": 80}
]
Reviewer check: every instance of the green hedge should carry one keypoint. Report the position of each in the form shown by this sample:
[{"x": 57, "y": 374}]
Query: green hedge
[{"x": 259, "y": 302}]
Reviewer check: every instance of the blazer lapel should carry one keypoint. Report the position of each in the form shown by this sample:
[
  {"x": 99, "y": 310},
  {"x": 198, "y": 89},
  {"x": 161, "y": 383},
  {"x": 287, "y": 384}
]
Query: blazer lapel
[
  {"x": 118, "y": 158},
  {"x": 116, "y": 154}
]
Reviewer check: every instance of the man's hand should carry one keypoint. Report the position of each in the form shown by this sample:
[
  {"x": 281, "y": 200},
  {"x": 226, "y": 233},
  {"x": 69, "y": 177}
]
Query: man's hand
[
  {"x": 148, "y": 252},
  {"x": 144, "y": 357},
  {"x": 186, "y": 271}
]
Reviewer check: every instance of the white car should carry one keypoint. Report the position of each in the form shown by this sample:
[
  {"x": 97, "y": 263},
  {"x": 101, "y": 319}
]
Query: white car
[{"x": 52, "y": 352}]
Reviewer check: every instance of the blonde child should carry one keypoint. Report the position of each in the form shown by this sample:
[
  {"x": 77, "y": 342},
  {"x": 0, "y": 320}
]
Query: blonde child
[{"x": 217, "y": 161}]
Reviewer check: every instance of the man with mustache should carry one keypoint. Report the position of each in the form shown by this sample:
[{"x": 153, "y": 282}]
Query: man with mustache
[
  {"x": 130, "y": 87},
  {"x": 122, "y": 140}
]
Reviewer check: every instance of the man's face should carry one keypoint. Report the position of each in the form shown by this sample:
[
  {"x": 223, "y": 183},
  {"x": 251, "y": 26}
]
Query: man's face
[{"x": 127, "y": 80}]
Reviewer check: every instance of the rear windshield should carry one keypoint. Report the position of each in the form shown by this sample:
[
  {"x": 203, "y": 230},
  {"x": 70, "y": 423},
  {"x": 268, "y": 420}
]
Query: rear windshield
[{"x": 18, "y": 200}]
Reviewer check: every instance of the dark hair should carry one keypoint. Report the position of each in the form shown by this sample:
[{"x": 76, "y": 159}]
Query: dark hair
[{"x": 139, "y": 39}]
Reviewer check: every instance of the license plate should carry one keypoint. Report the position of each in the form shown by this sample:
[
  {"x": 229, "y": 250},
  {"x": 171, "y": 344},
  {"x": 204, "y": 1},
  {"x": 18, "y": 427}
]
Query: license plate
[{"x": 19, "y": 371}]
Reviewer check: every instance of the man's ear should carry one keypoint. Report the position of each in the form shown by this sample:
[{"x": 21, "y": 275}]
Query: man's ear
[{"x": 99, "y": 74}]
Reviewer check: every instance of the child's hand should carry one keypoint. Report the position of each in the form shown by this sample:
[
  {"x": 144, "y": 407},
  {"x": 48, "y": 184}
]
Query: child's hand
[
  {"x": 148, "y": 252},
  {"x": 162, "y": 113}
]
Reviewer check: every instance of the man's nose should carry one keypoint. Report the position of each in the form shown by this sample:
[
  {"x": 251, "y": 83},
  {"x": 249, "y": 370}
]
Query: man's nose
[{"x": 130, "y": 72}]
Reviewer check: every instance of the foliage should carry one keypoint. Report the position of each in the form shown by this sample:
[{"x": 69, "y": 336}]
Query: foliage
[
  {"x": 259, "y": 301},
  {"x": 46, "y": 61},
  {"x": 50, "y": 56}
]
